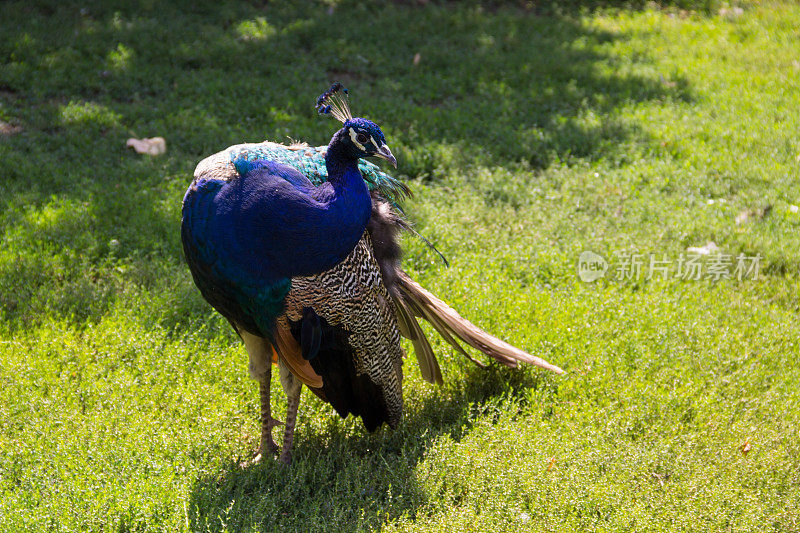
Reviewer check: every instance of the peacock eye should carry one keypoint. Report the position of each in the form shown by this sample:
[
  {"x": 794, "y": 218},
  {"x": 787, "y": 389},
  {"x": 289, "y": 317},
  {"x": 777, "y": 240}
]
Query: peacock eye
[{"x": 361, "y": 138}]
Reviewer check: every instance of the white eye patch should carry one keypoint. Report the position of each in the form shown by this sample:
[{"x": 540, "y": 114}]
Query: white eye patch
[{"x": 353, "y": 137}]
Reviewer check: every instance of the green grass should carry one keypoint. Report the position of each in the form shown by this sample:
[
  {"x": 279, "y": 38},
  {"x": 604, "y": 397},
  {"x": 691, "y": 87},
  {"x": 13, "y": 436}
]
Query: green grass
[{"x": 124, "y": 399}]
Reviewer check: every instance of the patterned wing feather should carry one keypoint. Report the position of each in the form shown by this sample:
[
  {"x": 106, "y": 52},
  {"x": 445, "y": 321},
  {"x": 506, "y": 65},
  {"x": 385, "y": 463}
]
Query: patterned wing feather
[{"x": 362, "y": 368}]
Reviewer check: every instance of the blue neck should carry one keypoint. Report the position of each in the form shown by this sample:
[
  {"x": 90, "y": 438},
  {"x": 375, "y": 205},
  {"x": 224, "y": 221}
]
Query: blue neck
[
  {"x": 339, "y": 161},
  {"x": 348, "y": 209}
]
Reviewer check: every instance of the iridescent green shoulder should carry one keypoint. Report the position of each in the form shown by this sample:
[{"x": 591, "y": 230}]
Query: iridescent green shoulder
[{"x": 310, "y": 161}]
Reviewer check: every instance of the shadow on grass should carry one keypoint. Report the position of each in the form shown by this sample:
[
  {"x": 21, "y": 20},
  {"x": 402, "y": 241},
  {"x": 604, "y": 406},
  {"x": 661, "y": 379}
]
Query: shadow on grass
[{"x": 344, "y": 479}]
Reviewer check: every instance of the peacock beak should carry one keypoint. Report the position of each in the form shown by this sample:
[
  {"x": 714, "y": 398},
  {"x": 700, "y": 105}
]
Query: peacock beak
[{"x": 384, "y": 153}]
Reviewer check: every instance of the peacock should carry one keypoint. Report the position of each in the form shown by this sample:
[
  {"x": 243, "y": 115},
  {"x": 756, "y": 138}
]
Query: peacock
[{"x": 297, "y": 247}]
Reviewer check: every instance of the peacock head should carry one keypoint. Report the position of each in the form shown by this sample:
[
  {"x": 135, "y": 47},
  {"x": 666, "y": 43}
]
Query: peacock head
[{"x": 358, "y": 137}]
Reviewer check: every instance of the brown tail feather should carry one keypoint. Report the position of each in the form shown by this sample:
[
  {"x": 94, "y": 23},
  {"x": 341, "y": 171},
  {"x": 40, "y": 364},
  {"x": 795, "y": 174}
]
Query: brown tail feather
[
  {"x": 441, "y": 328},
  {"x": 409, "y": 328},
  {"x": 444, "y": 318}
]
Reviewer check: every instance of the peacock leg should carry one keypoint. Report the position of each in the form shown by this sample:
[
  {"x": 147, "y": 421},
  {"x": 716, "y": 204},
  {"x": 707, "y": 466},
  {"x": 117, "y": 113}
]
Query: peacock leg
[
  {"x": 259, "y": 350},
  {"x": 268, "y": 444},
  {"x": 292, "y": 387}
]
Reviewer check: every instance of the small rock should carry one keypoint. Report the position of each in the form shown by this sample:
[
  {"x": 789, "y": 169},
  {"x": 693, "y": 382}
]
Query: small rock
[
  {"x": 755, "y": 213},
  {"x": 731, "y": 13},
  {"x": 708, "y": 248},
  {"x": 149, "y": 146},
  {"x": 8, "y": 129}
]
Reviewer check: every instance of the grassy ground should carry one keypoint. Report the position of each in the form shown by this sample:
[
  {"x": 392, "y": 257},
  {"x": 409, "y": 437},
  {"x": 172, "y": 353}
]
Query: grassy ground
[{"x": 125, "y": 402}]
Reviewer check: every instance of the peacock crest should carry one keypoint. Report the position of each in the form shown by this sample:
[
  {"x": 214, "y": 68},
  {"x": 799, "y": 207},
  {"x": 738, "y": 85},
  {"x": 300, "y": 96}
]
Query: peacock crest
[{"x": 335, "y": 102}]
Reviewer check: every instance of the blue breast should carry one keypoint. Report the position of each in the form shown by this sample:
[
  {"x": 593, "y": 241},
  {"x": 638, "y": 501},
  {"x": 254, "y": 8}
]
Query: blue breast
[{"x": 246, "y": 238}]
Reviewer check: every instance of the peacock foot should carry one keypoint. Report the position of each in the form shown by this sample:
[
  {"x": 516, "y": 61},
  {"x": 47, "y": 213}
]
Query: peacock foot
[{"x": 268, "y": 444}]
